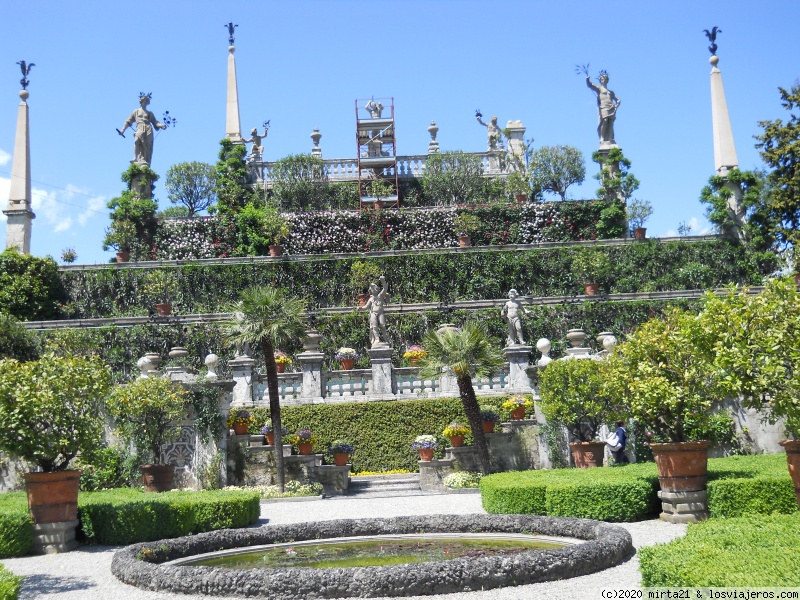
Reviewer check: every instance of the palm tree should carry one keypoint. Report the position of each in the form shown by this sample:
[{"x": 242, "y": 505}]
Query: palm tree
[
  {"x": 268, "y": 318},
  {"x": 467, "y": 353}
]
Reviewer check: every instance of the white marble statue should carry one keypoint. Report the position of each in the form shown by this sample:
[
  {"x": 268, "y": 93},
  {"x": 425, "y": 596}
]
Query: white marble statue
[
  {"x": 607, "y": 106},
  {"x": 494, "y": 138},
  {"x": 375, "y": 109},
  {"x": 257, "y": 149},
  {"x": 145, "y": 121},
  {"x": 379, "y": 298},
  {"x": 511, "y": 313}
]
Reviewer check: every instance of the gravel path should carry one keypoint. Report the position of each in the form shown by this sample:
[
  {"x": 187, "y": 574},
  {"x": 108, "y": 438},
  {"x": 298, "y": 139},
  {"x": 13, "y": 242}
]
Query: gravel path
[{"x": 85, "y": 573}]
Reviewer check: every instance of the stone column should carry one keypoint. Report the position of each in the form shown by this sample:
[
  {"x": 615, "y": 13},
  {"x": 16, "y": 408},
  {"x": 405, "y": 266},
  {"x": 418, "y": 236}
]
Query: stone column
[
  {"x": 18, "y": 211},
  {"x": 516, "y": 141},
  {"x": 381, "y": 361},
  {"x": 242, "y": 372},
  {"x": 518, "y": 357},
  {"x": 311, "y": 364}
]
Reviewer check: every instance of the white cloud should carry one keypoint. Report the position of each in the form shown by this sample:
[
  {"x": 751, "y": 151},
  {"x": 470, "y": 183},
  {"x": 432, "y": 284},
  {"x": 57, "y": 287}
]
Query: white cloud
[
  {"x": 5, "y": 158},
  {"x": 65, "y": 208},
  {"x": 695, "y": 228}
]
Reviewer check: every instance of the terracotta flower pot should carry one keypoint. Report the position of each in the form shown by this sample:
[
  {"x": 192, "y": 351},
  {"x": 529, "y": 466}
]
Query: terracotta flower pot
[
  {"x": 682, "y": 467},
  {"x": 305, "y": 449},
  {"x": 270, "y": 439},
  {"x": 587, "y": 454},
  {"x": 340, "y": 459},
  {"x": 240, "y": 428},
  {"x": 640, "y": 233},
  {"x": 53, "y": 497},
  {"x": 158, "y": 478},
  {"x": 521, "y": 198},
  {"x": 518, "y": 413},
  {"x": 123, "y": 257},
  {"x": 362, "y": 299},
  {"x": 488, "y": 426},
  {"x": 348, "y": 363},
  {"x": 164, "y": 309},
  {"x": 425, "y": 454},
  {"x": 281, "y": 367},
  {"x": 464, "y": 241},
  {"x": 275, "y": 250},
  {"x": 792, "y": 448},
  {"x": 591, "y": 289},
  {"x": 456, "y": 441},
  {"x": 413, "y": 362}
]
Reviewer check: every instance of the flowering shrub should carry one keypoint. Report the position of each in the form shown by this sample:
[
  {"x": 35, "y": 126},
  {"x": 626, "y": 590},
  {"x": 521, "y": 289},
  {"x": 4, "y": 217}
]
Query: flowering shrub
[
  {"x": 340, "y": 447},
  {"x": 462, "y": 479},
  {"x": 424, "y": 441},
  {"x": 239, "y": 417},
  {"x": 328, "y": 231},
  {"x": 415, "y": 351},
  {"x": 454, "y": 429},
  {"x": 292, "y": 489},
  {"x": 68, "y": 255},
  {"x": 489, "y": 416},
  {"x": 281, "y": 358},
  {"x": 268, "y": 429},
  {"x": 302, "y": 436},
  {"x": 346, "y": 353},
  {"x": 517, "y": 401}
]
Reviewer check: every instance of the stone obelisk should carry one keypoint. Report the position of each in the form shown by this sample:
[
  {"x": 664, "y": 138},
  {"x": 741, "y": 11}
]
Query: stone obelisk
[
  {"x": 725, "y": 157},
  {"x": 233, "y": 127},
  {"x": 18, "y": 211}
]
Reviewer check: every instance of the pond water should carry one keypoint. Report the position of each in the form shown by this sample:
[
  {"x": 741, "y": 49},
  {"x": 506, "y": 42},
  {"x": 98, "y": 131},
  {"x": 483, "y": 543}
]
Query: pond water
[{"x": 375, "y": 551}]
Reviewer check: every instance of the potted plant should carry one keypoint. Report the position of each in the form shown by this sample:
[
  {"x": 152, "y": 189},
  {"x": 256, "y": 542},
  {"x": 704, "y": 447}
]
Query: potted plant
[
  {"x": 282, "y": 360},
  {"x": 517, "y": 405},
  {"x": 490, "y": 418},
  {"x": 304, "y": 440},
  {"x": 466, "y": 225},
  {"x": 425, "y": 445},
  {"x": 340, "y": 451},
  {"x": 269, "y": 433},
  {"x": 146, "y": 412},
  {"x": 573, "y": 396},
  {"x": 275, "y": 229},
  {"x": 363, "y": 273},
  {"x": 121, "y": 236},
  {"x": 346, "y": 356},
  {"x": 51, "y": 411},
  {"x": 592, "y": 267},
  {"x": 414, "y": 354},
  {"x": 161, "y": 287},
  {"x": 664, "y": 383},
  {"x": 456, "y": 432},
  {"x": 68, "y": 255},
  {"x": 754, "y": 344},
  {"x": 518, "y": 185},
  {"x": 239, "y": 421},
  {"x": 379, "y": 189},
  {"x": 638, "y": 212}
]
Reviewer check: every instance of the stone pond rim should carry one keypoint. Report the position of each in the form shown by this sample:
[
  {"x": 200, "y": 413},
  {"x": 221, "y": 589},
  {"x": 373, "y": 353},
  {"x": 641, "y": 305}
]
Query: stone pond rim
[{"x": 605, "y": 546}]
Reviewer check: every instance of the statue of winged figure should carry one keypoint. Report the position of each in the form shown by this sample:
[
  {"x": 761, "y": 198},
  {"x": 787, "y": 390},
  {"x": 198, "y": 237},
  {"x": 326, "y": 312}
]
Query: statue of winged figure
[
  {"x": 230, "y": 27},
  {"x": 26, "y": 69},
  {"x": 712, "y": 37}
]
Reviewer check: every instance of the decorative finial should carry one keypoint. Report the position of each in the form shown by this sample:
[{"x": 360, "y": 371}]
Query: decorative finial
[
  {"x": 230, "y": 27},
  {"x": 26, "y": 69},
  {"x": 712, "y": 37}
]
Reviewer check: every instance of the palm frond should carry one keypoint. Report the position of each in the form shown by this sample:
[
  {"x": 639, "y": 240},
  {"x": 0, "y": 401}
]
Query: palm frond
[
  {"x": 265, "y": 313},
  {"x": 464, "y": 351}
]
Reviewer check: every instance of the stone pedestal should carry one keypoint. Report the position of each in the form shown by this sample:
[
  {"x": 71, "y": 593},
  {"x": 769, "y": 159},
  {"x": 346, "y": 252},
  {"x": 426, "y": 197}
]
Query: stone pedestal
[
  {"x": 381, "y": 360},
  {"x": 518, "y": 357},
  {"x": 515, "y": 131},
  {"x": 141, "y": 185},
  {"x": 242, "y": 373},
  {"x": 53, "y": 538},
  {"x": 683, "y": 507},
  {"x": 335, "y": 480},
  {"x": 311, "y": 364},
  {"x": 18, "y": 229}
]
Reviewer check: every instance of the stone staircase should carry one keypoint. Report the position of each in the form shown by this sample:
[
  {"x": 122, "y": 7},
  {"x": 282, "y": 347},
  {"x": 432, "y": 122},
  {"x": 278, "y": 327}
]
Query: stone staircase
[{"x": 385, "y": 486}]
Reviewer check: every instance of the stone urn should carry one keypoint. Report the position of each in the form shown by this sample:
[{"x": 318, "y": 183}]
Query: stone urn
[{"x": 158, "y": 478}]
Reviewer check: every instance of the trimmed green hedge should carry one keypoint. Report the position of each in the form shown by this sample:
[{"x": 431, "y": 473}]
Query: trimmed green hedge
[
  {"x": 127, "y": 516},
  {"x": 616, "y": 494},
  {"x": 381, "y": 432},
  {"x": 754, "y": 551},
  {"x": 9, "y": 584},
  {"x": 641, "y": 267},
  {"x": 737, "y": 485},
  {"x": 16, "y": 526}
]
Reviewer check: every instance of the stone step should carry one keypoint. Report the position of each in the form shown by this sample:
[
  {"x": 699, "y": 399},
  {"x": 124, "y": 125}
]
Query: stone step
[{"x": 385, "y": 485}]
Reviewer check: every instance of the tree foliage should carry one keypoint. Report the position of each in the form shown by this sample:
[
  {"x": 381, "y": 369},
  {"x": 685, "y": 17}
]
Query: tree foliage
[
  {"x": 717, "y": 195},
  {"x": 780, "y": 149},
  {"x": 232, "y": 188},
  {"x": 51, "y": 409},
  {"x": 133, "y": 214},
  {"x": 193, "y": 185},
  {"x": 300, "y": 183},
  {"x": 30, "y": 287},
  {"x": 554, "y": 168},
  {"x": 453, "y": 177},
  {"x": 16, "y": 341},
  {"x": 616, "y": 180}
]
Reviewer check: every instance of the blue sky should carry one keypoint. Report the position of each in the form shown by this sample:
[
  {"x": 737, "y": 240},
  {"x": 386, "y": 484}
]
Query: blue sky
[{"x": 302, "y": 64}]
